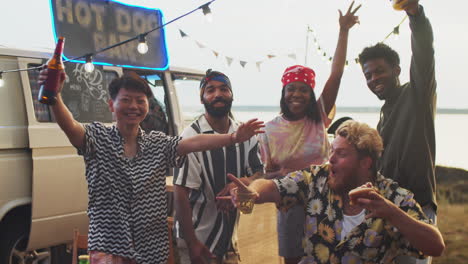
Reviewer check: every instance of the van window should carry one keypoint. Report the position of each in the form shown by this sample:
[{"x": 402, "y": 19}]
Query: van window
[
  {"x": 41, "y": 110},
  {"x": 157, "y": 118},
  {"x": 85, "y": 94},
  {"x": 188, "y": 93}
]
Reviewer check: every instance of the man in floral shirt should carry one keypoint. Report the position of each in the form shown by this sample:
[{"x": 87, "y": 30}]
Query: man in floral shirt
[{"x": 380, "y": 224}]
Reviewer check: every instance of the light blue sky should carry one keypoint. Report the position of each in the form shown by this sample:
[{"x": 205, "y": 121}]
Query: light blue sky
[{"x": 249, "y": 30}]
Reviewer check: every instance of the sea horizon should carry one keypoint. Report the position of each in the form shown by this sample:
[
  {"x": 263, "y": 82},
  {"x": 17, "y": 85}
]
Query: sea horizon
[
  {"x": 352, "y": 109},
  {"x": 449, "y": 148}
]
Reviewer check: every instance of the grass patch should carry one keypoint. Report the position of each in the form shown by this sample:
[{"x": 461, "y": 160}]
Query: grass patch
[
  {"x": 453, "y": 223},
  {"x": 452, "y": 185},
  {"x": 452, "y": 214}
]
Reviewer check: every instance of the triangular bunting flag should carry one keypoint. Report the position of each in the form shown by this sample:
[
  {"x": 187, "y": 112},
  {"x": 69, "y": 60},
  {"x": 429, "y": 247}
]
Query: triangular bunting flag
[
  {"x": 271, "y": 56},
  {"x": 201, "y": 46},
  {"x": 229, "y": 61},
  {"x": 258, "y": 63},
  {"x": 182, "y": 34},
  {"x": 215, "y": 53},
  {"x": 243, "y": 63},
  {"x": 292, "y": 56}
]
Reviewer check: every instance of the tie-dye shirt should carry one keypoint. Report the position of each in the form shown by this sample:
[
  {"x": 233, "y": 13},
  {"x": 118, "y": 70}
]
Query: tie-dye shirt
[
  {"x": 294, "y": 144},
  {"x": 372, "y": 241}
]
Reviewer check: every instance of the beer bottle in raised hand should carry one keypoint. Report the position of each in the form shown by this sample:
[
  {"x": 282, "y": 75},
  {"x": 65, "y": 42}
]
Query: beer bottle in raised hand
[
  {"x": 48, "y": 90},
  {"x": 400, "y": 4}
]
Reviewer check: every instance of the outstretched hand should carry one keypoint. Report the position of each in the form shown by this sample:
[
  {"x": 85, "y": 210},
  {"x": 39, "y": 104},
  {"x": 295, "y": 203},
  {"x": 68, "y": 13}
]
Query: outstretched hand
[
  {"x": 240, "y": 188},
  {"x": 225, "y": 205},
  {"x": 378, "y": 205},
  {"x": 248, "y": 130},
  {"x": 348, "y": 20}
]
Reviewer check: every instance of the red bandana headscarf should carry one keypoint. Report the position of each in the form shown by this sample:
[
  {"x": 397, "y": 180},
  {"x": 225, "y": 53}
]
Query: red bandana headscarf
[{"x": 298, "y": 73}]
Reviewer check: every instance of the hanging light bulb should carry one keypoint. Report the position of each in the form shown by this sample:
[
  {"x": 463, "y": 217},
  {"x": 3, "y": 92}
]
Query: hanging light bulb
[
  {"x": 319, "y": 50},
  {"x": 346, "y": 64},
  {"x": 142, "y": 45},
  {"x": 207, "y": 12},
  {"x": 356, "y": 60},
  {"x": 89, "y": 66},
  {"x": 329, "y": 60},
  {"x": 2, "y": 82}
]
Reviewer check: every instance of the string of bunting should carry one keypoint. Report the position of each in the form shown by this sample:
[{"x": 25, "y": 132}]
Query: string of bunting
[
  {"x": 320, "y": 51},
  {"x": 141, "y": 42},
  {"x": 318, "y": 48},
  {"x": 230, "y": 59}
]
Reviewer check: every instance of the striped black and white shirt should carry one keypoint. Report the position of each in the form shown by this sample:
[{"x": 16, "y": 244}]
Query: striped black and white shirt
[
  {"x": 205, "y": 174},
  {"x": 127, "y": 197}
]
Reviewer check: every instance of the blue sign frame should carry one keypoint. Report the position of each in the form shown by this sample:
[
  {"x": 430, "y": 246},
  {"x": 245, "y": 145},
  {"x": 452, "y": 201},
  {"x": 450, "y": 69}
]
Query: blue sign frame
[{"x": 91, "y": 25}]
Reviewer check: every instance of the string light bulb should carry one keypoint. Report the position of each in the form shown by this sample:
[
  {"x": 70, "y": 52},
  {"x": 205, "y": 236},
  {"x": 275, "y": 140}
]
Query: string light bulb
[
  {"x": 207, "y": 12},
  {"x": 89, "y": 66},
  {"x": 142, "y": 45},
  {"x": 2, "y": 82}
]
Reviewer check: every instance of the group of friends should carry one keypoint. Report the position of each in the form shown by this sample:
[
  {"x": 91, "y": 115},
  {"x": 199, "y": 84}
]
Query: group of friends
[{"x": 288, "y": 161}]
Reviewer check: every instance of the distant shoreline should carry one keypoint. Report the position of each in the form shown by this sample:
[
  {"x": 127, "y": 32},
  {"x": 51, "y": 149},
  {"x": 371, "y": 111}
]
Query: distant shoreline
[{"x": 251, "y": 108}]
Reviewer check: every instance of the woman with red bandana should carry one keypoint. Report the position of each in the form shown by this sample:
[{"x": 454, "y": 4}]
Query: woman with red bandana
[{"x": 297, "y": 137}]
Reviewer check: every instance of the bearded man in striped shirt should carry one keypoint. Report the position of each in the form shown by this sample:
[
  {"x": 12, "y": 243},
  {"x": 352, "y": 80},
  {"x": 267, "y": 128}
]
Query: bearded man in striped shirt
[{"x": 204, "y": 231}]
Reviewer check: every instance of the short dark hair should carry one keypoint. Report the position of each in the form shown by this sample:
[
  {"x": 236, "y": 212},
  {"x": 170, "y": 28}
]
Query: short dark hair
[
  {"x": 129, "y": 81},
  {"x": 380, "y": 50},
  {"x": 312, "y": 110}
]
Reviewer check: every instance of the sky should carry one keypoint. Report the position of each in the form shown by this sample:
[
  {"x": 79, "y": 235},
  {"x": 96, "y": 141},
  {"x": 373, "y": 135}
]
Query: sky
[{"x": 250, "y": 30}]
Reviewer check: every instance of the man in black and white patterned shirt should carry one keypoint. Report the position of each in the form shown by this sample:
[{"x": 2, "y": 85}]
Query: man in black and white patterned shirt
[
  {"x": 205, "y": 231},
  {"x": 125, "y": 171}
]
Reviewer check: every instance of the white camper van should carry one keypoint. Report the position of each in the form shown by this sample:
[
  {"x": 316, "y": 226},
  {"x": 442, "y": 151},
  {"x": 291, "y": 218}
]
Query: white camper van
[{"x": 43, "y": 192}]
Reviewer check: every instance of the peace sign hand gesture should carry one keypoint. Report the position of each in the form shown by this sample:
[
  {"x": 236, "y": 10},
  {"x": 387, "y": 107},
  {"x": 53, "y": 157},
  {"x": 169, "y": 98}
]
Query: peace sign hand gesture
[{"x": 349, "y": 19}]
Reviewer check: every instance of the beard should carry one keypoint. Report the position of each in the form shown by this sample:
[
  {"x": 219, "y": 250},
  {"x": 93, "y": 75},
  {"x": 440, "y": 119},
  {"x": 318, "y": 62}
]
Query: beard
[
  {"x": 218, "y": 111},
  {"x": 345, "y": 183}
]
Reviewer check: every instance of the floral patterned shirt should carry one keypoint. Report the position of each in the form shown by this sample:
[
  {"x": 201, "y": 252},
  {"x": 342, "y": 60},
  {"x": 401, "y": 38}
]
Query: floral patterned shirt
[{"x": 372, "y": 241}]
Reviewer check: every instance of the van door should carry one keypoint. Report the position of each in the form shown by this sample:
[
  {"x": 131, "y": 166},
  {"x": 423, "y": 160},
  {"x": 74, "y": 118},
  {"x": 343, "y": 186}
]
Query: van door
[
  {"x": 185, "y": 86},
  {"x": 59, "y": 190}
]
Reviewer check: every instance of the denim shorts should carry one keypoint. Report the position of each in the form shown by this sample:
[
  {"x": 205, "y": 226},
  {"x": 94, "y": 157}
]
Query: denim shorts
[{"x": 290, "y": 229}]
